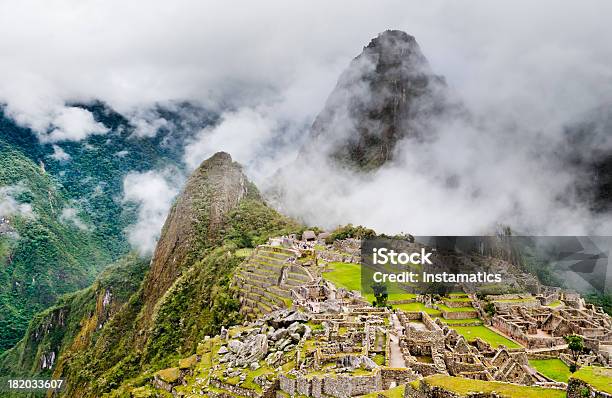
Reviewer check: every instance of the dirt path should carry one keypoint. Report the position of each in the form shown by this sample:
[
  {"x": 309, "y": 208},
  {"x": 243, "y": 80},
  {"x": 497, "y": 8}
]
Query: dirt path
[{"x": 397, "y": 359}]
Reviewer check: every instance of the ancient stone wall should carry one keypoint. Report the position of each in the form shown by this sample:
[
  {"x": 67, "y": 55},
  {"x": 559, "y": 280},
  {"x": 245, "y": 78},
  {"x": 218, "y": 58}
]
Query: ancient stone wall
[
  {"x": 457, "y": 304},
  {"x": 391, "y": 376},
  {"x": 501, "y": 306},
  {"x": 459, "y": 314},
  {"x": 341, "y": 386},
  {"x": 244, "y": 392}
]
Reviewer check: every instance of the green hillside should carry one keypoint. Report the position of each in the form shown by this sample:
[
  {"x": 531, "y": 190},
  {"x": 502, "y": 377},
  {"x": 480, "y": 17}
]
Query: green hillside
[
  {"x": 76, "y": 314},
  {"x": 49, "y": 256},
  {"x": 150, "y": 326}
]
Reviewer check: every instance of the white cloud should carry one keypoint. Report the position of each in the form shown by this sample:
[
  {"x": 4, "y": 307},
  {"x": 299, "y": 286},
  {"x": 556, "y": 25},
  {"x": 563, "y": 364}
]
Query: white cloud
[
  {"x": 253, "y": 137},
  {"x": 147, "y": 123},
  {"x": 154, "y": 192},
  {"x": 9, "y": 206},
  {"x": 269, "y": 66},
  {"x": 59, "y": 154},
  {"x": 72, "y": 124},
  {"x": 71, "y": 215}
]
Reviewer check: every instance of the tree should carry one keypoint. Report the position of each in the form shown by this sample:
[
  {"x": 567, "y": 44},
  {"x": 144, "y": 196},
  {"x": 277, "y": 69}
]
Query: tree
[
  {"x": 380, "y": 295},
  {"x": 575, "y": 343}
]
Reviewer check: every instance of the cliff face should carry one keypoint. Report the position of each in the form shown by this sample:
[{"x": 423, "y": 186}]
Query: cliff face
[
  {"x": 72, "y": 321},
  {"x": 195, "y": 221},
  {"x": 387, "y": 93}
]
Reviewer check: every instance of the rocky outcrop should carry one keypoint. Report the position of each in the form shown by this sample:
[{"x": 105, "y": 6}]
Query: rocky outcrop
[{"x": 276, "y": 334}]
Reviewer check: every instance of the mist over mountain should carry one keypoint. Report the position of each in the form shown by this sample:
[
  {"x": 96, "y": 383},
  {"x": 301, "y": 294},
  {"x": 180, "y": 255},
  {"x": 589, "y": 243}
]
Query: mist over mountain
[
  {"x": 394, "y": 147},
  {"x": 387, "y": 93},
  {"x": 588, "y": 149},
  {"x": 520, "y": 77}
]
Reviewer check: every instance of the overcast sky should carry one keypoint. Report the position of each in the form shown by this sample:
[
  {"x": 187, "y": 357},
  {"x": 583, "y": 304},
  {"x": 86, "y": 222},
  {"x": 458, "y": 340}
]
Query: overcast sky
[
  {"x": 135, "y": 53},
  {"x": 268, "y": 66}
]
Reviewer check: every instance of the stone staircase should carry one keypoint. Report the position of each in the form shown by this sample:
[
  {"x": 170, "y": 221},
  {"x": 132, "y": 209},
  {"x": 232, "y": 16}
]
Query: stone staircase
[{"x": 265, "y": 280}]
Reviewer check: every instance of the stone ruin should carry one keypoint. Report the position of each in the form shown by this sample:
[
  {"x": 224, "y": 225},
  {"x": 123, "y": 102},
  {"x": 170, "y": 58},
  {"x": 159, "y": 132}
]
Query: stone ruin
[
  {"x": 422, "y": 343},
  {"x": 545, "y": 327},
  {"x": 325, "y": 341}
]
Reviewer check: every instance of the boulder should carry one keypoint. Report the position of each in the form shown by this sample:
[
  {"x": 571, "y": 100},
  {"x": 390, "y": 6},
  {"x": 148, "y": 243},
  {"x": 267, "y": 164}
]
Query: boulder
[
  {"x": 253, "y": 349},
  {"x": 235, "y": 346},
  {"x": 279, "y": 334}
]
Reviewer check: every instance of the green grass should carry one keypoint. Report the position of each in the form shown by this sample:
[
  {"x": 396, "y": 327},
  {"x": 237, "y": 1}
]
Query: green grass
[
  {"x": 486, "y": 334},
  {"x": 600, "y": 378},
  {"x": 315, "y": 326},
  {"x": 414, "y": 307},
  {"x": 463, "y": 387},
  {"x": 553, "y": 368},
  {"x": 459, "y": 299},
  {"x": 348, "y": 276},
  {"x": 345, "y": 275},
  {"x": 379, "y": 359},
  {"x": 459, "y": 321},
  {"x": 444, "y": 308},
  {"x": 555, "y": 303}
]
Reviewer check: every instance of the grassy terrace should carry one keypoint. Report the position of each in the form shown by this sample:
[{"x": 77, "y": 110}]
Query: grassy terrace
[
  {"x": 348, "y": 276},
  {"x": 243, "y": 253},
  {"x": 486, "y": 334},
  {"x": 442, "y": 307},
  {"x": 459, "y": 299},
  {"x": 414, "y": 307},
  {"x": 553, "y": 368},
  {"x": 463, "y": 386},
  {"x": 599, "y": 378}
]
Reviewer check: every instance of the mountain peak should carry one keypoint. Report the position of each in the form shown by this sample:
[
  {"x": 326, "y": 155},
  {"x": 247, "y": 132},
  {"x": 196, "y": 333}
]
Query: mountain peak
[
  {"x": 390, "y": 41},
  {"x": 394, "y": 48},
  {"x": 219, "y": 158},
  {"x": 386, "y": 94},
  {"x": 197, "y": 218}
]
